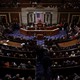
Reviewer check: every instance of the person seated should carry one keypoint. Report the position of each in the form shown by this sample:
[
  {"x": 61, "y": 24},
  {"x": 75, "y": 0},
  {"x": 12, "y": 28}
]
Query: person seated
[
  {"x": 54, "y": 55},
  {"x": 29, "y": 78},
  {"x": 39, "y": 25},
  {"x": 1, "y": 54},
  {"x": 54, "y": 64},
  {"x": 17, "y": 77},
  {"x": 7, "y": 77},
  {"x": 6, "y": 64},
  {"x": 14, "y": 64},
  {"x": 73, "y": 63},
  {"x": 66, "y": 54},
  {"x": 21, "y": 55},
  {"x": 78, "y": 52},
  {"x": 22, "y": 65},
  {"x": 72, "y": 54},
  {"x": 51, "y": 50},
  {"x": 29, "y": 65}
]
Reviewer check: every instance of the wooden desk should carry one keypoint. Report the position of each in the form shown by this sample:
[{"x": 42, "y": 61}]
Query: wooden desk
[
  {"x": 69, "y": 43},
  {"x": 42, "y": 28},
  {"x": 39, "y": 25},
  {"x": 40, "y": 36},
  {"x": 35, "y": 32},
  {"x": 10, "y": 43}
]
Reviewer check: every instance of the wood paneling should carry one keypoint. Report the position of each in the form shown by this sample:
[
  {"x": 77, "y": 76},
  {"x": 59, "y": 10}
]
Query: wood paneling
[
  {"x": 7, "y": 16},
  {"x": 69, "y": 43},
  {"x": 63, "y": 17},
  {"x": 10, "y": 9},
  {"x": 71, "y": 14},
  {"x": 10, "y": 43},
  {"x": 68, "y": 10},
  {"x": 14, "y": 17},
  {"x": 36, "y": 32}
]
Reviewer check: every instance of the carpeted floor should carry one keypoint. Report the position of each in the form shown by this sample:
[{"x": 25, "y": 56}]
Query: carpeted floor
[{"x": 17, "y": 33}]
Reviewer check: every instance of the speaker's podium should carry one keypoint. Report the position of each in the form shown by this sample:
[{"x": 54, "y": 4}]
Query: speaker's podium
[
  {"x": 40, "y": 36},
  {"x": 39, "y": 26}
]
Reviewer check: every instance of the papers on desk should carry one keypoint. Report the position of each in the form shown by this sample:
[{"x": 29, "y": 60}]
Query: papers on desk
[
  {"x": 7, "y": 40},
  {"x": 22, "y": 44},
  {"x": 5, "y": 44},
  {"x": 31, "y": 26}
]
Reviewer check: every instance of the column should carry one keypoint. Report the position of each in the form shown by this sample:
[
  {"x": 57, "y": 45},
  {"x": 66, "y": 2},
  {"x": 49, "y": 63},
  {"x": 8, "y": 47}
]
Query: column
[
  {"x": 24, "y": 17},
  {"x": 9, "y": 17},
  {"x": 19, "y": 18},
  {"x": 68, "y": 17},
  {"x": 54, "y": 17}
]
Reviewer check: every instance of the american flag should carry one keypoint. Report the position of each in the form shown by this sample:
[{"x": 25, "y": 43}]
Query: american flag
[{"x": 38, "y": 15}]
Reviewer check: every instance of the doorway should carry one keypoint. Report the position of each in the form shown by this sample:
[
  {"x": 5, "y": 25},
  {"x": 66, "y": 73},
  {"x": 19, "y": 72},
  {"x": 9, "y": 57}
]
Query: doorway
[{"x": 3, "y": 19}]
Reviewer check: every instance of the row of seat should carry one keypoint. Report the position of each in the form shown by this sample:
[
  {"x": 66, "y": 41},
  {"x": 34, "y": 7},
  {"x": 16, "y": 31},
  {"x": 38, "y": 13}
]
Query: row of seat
[{"x": 71, "y": 57}]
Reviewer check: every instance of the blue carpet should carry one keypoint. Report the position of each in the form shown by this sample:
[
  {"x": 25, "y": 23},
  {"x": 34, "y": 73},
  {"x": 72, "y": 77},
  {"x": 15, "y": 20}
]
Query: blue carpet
[{"x": 17, "y": 34}]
